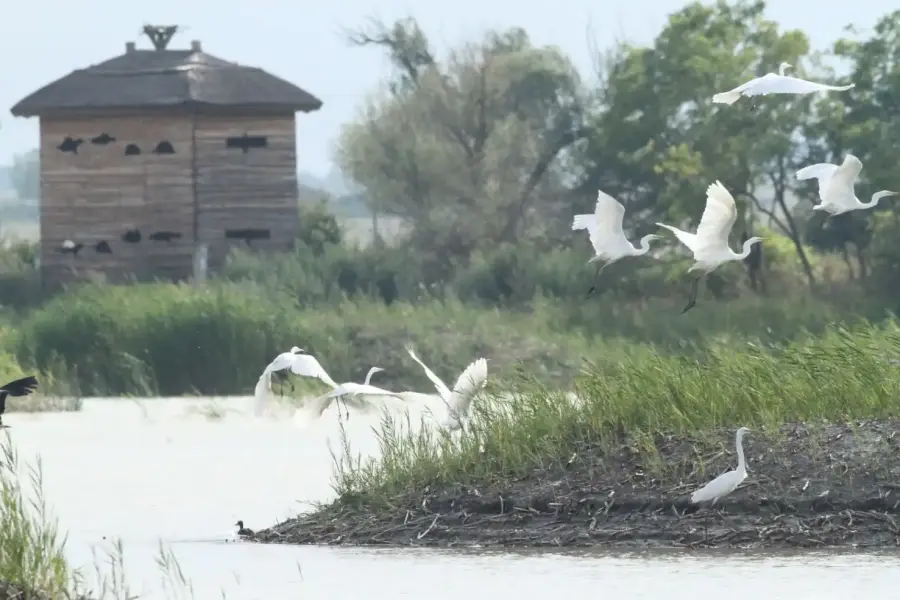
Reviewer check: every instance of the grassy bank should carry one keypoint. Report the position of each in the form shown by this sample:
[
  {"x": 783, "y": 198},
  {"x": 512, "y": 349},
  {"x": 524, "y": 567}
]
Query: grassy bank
[
  {"x": 642, "y": 434},
  {"x": 169, "y": 339}
]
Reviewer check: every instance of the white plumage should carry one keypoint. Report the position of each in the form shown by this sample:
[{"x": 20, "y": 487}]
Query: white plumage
[
  {"x": 351, "y": 389},
  {"x": 836, "y": 185},
  {"x": 710, "y": 244},
  {"x": 459, "y": 399},
  {"x": 776, "y": 83},
  {"x": 727, "y": 482},
  {"x": 306, "y": 365},
  {"x": 605, "y": 231}
]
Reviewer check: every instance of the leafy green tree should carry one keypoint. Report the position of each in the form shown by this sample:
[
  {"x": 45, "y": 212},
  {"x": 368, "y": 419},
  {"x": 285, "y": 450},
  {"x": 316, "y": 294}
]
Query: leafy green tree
[
  {"x": 863, "y": 121},
  {"x": 468, "y": 149},
  {"x": 659, "y": 140}
]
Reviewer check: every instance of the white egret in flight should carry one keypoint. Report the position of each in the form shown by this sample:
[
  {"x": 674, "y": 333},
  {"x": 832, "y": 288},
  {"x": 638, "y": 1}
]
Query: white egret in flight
[
  {"x": 353, "y": 390},
  {"x": 776, "y": 83},
  {"x": 836, "y": 186},
  {"x": 710, "y": 244},
  {"x": 459, "y": 399},
  {"x": 727, "y": 482},
  {"x": 604, "y": 229}
]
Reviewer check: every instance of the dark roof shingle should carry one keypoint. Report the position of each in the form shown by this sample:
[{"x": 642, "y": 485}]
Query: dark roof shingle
[{"x": 166, "y": 78}]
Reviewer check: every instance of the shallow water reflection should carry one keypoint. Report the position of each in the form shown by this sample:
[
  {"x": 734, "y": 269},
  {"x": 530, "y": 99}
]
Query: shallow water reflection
[{"x": 162, "y": 470}]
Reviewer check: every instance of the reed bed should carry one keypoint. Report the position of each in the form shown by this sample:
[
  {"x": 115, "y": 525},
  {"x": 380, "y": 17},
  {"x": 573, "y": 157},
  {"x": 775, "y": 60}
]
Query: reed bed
[{"x": 846, "y": 374}]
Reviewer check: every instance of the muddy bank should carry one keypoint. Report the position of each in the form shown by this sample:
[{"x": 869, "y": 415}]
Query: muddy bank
[{"x": 807, "y": 486}]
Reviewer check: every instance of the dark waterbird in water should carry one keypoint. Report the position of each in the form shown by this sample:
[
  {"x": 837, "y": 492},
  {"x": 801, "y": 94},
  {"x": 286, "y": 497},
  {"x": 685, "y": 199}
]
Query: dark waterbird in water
[
  {"x": 69, "y": 247},
  {"x": 164, "y": 236},
  {"x": 243, "y": 531},
  {"x": 132, "y": 236},
  {"x": 102, "y": 247},
  {"x": 132, "y": 150},
  {"x": 70, "y": 145},
  {"x": 103, "y": 139},
  {"x": 19, "y": 387}
]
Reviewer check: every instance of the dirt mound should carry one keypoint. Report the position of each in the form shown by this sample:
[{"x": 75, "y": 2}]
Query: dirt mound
[{"x": 808, "y": 486}]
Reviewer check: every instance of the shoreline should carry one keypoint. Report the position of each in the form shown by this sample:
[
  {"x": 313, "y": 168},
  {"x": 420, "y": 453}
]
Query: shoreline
[{"x": 808, "y": 486}]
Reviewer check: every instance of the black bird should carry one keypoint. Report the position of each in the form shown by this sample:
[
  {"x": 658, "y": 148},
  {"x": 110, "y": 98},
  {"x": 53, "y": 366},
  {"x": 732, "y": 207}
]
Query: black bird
[
  {"x": 243, "y": 531},
  {"x": 132, "y": 150},
  {"x": 163, "y": 147},
  {"x": 245, "y": 142},
  {"x": 103, "y": 139},
  {"x": 132, "y": 236},
  {"x": 164, "y": 236},
  {"x": 70, "y": 145},
  {"x": 102, "y": 247},
  {"x": 69, "y": 247},
  {"x": 19, "y": 387}
]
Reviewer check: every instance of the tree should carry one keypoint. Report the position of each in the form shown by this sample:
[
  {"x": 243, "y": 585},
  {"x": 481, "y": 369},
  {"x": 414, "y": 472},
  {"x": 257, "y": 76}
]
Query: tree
[
  {"x": 25, "y": 174},
  {"x": 659, "y": 140},
  {"x": 466, "y": 149},
  {"x": 862, "y": 121}
]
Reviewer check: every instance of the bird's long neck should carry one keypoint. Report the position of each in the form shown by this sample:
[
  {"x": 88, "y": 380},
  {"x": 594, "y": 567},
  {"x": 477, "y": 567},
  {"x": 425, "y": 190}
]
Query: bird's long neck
[
  {"x": 782, "y": 68},
  {"x": 371, "y": 372},
  {"x": 746, "y": 249},
  {"x": 644, "y": 245},
  {"x": 738, "y": 442},
  {"x": 875, "y": 198}
]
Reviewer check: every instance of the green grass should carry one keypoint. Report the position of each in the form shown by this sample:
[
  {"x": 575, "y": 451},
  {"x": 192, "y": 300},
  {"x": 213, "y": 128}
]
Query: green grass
[
  {"x": 167, "y": 339},
  {"x": 839, "y": 376}
]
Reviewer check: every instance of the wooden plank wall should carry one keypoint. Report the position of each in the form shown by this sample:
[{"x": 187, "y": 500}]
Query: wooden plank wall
[
  {"x": 99, "y": 193},
  {"x": 238, "y": 190}
]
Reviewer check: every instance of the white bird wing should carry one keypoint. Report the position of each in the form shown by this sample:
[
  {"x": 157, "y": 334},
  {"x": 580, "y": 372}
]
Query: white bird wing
[
  {"x": 688, "y": 239},
  {"x": 441, "y": 387},
  {"x": 717, "y": 219},
  {"x": 469, "y": 382},
  {"x": 307, "y": 366},
  {"x": 605, "y": 225},
  {"x": 839, "y": 188},
  {"x": 821, "y": 172},
  {"x": 772, "y": 83},
  {"x": 723, "y": 484}
]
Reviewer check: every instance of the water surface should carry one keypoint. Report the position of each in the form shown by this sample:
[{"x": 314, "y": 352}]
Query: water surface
[{"x": 162, "y": 470}]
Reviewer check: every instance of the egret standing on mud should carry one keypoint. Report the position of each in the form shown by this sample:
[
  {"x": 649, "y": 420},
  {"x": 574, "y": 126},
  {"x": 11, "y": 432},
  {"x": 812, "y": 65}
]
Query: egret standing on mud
[
  {"x": 776, "y": 83},
  {"x": 605, "y": 231},
  {"x": 710, "y": 244},
  {"x": 836, "y": 186},
  {"x": 727, "y": 482},
  {"x": 458, "y": 400}
]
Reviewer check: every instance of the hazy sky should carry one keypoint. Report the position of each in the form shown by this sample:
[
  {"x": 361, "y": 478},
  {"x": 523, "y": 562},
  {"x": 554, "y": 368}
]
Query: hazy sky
[{"x": 302, "y": 42}]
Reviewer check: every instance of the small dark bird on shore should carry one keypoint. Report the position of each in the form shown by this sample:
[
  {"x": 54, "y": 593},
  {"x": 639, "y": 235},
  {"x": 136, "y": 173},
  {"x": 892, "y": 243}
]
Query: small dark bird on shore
[
  {"x": 243, "y": 531},
  {"x": 102, "y": 247},
  {"x": 70, "y": 145},
  {"x": 132, "y": 236},
  {"x": 103, "y": 139},
  {"x": 164, "y": 236},
  {"x": 69, "y": 247},
  {"x": 19, "y": 387}
]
